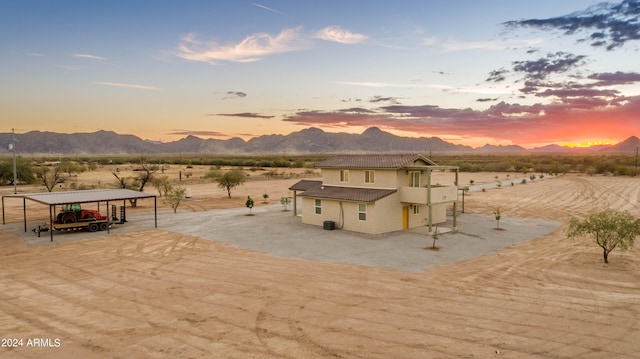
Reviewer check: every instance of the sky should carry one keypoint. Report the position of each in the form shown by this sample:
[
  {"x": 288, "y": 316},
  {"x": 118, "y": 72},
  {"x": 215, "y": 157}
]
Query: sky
[{"x": 502, "y": 72}]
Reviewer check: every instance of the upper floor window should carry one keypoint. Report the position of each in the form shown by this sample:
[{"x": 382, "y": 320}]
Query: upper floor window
[
  {"x": 344, "y": 175},
  {"x": 414, "y": 179},
  {"x": 369, "y": 176}
]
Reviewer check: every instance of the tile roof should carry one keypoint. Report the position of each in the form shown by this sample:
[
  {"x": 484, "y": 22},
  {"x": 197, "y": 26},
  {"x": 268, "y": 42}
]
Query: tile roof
[
  {"x": 347, "y": 193},
  {"x": 305, "y": 185},
  {"x": 374, "y": 161}
]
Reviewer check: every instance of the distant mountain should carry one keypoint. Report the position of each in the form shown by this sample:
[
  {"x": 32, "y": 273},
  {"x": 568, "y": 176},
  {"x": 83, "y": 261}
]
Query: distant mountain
[
  {"x": 500, "y": 148},
  {"x": 552, "y": 148},
  {"x": 36, "y": 142},
  {"x": 307, "y": 141},
  {"x": 631, "y": 144}
]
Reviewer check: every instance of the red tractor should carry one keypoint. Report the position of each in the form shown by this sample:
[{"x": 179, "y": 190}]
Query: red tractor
[
  {"x": 73, "y": 217},
  {"x": 72, "y": 213}
]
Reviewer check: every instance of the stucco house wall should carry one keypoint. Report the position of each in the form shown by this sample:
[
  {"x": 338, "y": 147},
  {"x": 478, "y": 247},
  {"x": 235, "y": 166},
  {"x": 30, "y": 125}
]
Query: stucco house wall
[
  {"x": 382, "y": 178},
  {"x": 396, "y": 199},
  {"x": 384, "y": 215}
]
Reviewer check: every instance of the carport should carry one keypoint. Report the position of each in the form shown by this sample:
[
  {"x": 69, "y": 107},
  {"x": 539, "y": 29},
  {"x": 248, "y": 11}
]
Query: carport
[{"x": 53, "y": 199}]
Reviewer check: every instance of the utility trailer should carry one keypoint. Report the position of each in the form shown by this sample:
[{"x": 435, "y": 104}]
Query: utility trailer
[
  {"x": 89, "y": 225},
  {"x": 73, "y": 218}
]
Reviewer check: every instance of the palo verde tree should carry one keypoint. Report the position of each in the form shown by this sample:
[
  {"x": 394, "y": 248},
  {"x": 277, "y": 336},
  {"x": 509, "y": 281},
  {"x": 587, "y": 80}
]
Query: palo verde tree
[
  {"x": 174, "y": 196},
  {"x": 162, "y": 184},
  {"x": 228, "y": 180},
  {"x": 609, "y": 228},
  {"x": 70, "y": 167}
]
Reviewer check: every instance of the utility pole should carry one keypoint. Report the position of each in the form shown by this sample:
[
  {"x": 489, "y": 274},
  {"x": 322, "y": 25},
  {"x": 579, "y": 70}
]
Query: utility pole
[
  {"x": 636, "y": 171},
  {"x": 15, "y": 173}
]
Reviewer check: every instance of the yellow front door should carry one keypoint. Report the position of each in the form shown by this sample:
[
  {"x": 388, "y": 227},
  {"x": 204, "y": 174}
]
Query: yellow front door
[{"x": 405, "y": 217}]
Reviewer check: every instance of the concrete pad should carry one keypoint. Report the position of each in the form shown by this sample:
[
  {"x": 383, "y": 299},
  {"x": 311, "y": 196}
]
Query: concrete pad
[{"x": 273, "y": 231}]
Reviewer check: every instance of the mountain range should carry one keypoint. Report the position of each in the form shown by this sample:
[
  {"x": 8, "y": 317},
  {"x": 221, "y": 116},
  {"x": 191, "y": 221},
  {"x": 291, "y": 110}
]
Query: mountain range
[{"x": 307, "y": 141}]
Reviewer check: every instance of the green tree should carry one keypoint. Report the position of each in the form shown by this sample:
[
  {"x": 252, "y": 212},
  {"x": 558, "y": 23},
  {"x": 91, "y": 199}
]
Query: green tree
[
  {"x": 498, "y": 216},
  {"x": 609, "y": 228},
  {"x": 249, "y": 203},
  {"x": 162, "y": 184},
  {"x": 213, "y": 174},
  {"x": 24, "y": 171},
  {"x": 174, "y": 196},
  {"x": 284, "y": 201},
  {"x": 70, "y": 167},
  {"x": 231, "y": 179}
]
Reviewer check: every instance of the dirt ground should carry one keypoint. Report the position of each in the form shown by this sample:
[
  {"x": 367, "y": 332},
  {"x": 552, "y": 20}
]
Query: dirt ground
[{"x": 159, "y": 294}]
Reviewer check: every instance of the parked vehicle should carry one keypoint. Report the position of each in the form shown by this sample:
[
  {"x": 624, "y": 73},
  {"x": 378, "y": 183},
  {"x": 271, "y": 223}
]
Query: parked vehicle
[{"x": 72, "y": 217}]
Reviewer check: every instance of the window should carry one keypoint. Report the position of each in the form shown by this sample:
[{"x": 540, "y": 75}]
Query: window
[
  {"x": 414, "y": 179},
  {"x": 318, "y": 206},
  {"x": 416, "y": 209},
  {"x": 344, "y": 175},
  {"x": 362, "y": 211},
  {"x": 369, "y": 176}
]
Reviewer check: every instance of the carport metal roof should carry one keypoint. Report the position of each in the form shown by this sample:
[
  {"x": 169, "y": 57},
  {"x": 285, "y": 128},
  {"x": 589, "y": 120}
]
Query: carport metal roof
[
  {"x": 96, "y": 195},
  {"x": 89, "y": 196}
]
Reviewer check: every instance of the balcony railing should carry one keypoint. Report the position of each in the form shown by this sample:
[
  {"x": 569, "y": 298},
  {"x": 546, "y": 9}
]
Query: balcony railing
[{"x": 419, "y": 195}]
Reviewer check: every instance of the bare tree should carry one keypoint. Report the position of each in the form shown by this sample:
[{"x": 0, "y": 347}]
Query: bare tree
[
  {"x": 51, "y": 178},
  {"x": 136, "y": 183}
]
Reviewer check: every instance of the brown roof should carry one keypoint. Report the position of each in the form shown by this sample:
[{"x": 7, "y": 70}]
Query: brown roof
[
  {"x": 374, "y": 161},
  {"x": 347, "y": 193},
  {"x": 305, "y": 185}
]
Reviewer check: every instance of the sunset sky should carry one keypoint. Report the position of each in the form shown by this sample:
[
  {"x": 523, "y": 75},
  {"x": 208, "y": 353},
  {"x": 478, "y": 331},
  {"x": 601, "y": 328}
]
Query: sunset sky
[{"x": 470, "y": 72}]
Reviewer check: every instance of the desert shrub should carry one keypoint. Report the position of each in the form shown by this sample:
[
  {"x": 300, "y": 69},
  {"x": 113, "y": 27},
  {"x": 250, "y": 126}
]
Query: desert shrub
[
  {"x": 248, "y": 162},
  {"x": 281, "y": 162},
  {"x": 81, "y": 186},
  {"x": 606, "y": 166}
]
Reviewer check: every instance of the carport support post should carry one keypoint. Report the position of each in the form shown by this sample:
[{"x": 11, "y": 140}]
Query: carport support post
[
  {"x": 429, "y": 207},
  {"x": 50, "y": 223},
  {"x": 155, "y": 210},
  {"x": 455, "y": 205},
  {"x": 24, "y": 213},
  {"x": 108, "y": 219}
]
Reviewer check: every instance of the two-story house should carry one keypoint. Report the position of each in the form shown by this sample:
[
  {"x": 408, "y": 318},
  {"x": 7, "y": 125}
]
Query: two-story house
[{"x": 377, "y": 193}]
